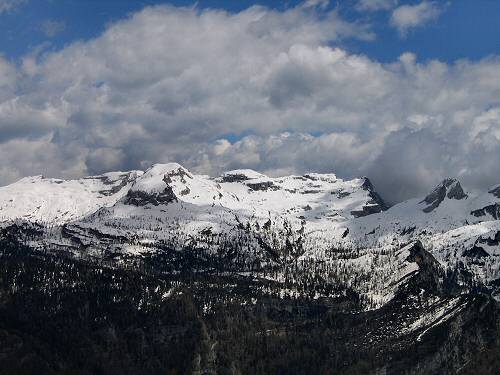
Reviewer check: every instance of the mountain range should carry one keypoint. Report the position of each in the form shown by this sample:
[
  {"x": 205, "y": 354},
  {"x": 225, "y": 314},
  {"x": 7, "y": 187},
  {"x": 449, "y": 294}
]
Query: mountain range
[{"x": 425, "y": 272}]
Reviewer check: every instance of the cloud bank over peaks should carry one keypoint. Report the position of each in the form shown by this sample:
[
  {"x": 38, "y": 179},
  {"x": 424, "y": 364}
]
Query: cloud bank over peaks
[{"x": 263, "y": 89}]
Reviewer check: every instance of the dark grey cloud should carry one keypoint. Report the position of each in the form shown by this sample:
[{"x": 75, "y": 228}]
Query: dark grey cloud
[{"x": 259, "y": 89}]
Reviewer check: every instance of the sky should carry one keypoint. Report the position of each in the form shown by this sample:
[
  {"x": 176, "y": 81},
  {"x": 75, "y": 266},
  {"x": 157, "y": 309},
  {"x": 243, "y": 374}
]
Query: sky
[{"x": 404, "y": 92}]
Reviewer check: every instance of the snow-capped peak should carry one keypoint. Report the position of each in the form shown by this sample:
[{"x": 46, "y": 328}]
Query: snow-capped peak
[
  {"x": 495, "y": 190},
  {"x": 449, "y": 188},
  {"x": 156, "y": 178},
  {"x": 167, "y": 183}
]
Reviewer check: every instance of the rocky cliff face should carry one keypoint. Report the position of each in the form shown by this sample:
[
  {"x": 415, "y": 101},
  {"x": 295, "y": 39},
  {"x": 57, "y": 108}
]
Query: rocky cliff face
[{"x": 449, "y": 188}]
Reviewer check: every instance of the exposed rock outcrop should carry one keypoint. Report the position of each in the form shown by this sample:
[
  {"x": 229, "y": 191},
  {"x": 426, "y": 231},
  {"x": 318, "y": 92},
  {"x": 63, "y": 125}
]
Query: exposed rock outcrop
[{"x": 449, "y": 188}]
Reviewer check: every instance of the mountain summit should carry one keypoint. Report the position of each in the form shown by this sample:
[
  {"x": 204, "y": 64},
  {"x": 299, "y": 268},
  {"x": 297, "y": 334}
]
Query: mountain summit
[{"x": 449, "y": 188}]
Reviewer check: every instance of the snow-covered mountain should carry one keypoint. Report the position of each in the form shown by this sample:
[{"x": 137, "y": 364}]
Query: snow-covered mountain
[
  {"x": 55, "y": 201},
  {"x": 280, "y": 228},
  {"x": 311, "y": 196}
]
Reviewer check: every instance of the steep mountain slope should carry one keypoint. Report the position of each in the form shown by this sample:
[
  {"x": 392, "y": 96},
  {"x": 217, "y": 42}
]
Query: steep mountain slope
[{"x": 459, "y": 229}]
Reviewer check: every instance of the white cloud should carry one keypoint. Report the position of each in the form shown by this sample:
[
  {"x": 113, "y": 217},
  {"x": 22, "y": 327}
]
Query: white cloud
[
  {"x": 261, "y": 89},
  {"x": 8, "y": 75},
  {"x": 406, "y": 17},
  {"x": 316, "y": 3},
  {"x": 375, "y": 5},
  {"x": 9, "y": 5}
]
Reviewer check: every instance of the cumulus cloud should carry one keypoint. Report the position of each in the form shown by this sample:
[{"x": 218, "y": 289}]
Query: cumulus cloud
[
  {"x": 406, "y": 17},
  {"x": 260, "y": 89}
]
